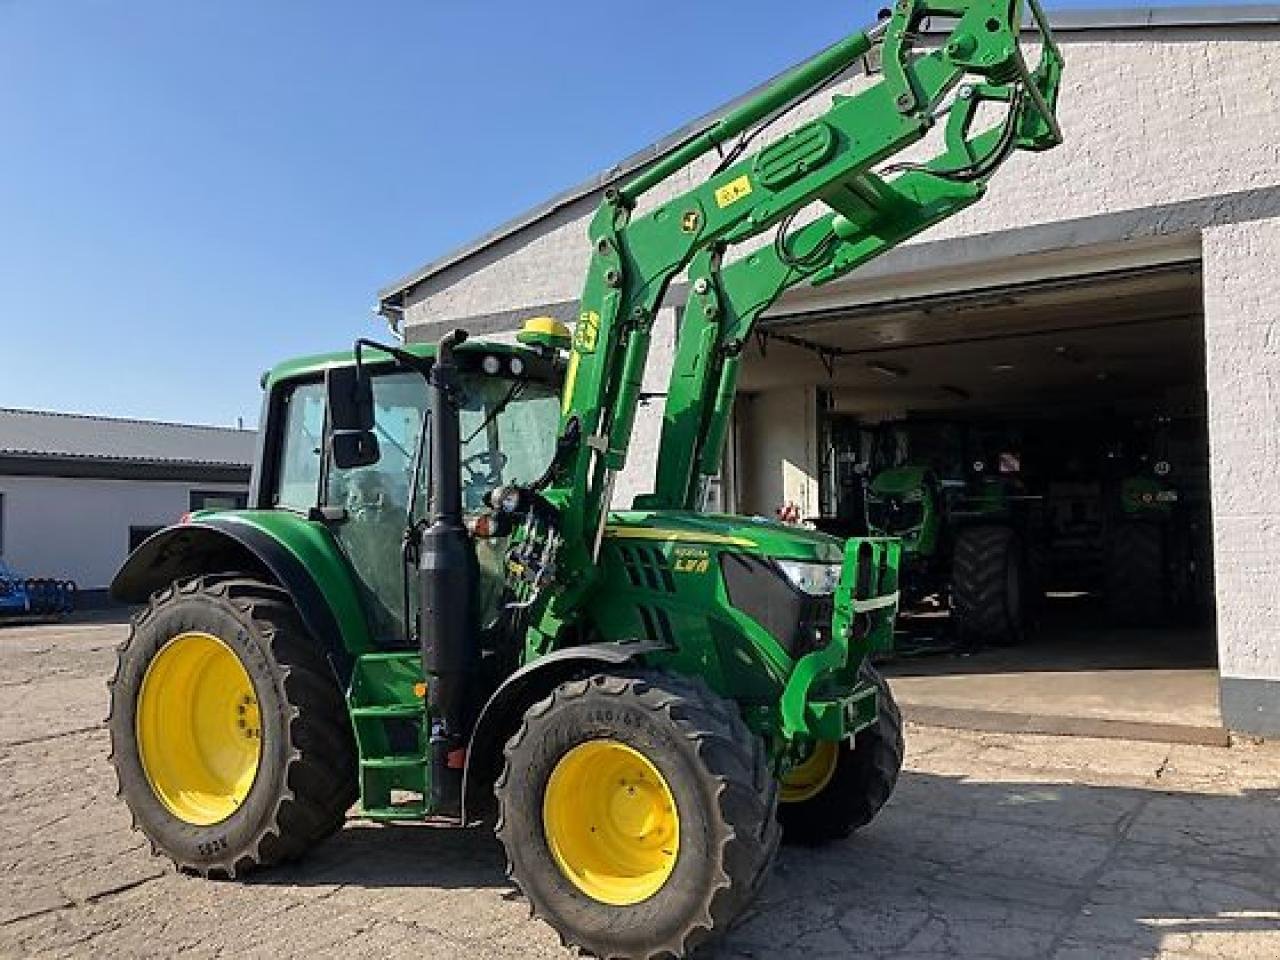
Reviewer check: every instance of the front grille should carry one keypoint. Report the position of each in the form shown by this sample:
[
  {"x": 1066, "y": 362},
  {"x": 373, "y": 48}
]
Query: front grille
[{"x": 800, "y": 623}]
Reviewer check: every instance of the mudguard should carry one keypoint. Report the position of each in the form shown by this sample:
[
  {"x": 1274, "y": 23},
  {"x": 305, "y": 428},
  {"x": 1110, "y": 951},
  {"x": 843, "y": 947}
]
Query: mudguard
[
  {"x": 217, "y": 544},
  {"x": 532, "y": 682}
]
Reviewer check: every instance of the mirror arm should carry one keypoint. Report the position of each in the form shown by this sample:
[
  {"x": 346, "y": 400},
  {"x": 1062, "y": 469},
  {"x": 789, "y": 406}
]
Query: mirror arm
[{"x": 410, "y": 360}]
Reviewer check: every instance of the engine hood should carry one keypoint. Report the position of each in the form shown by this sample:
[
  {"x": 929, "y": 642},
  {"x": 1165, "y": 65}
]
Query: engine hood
[{"x": 725, "y": 532}]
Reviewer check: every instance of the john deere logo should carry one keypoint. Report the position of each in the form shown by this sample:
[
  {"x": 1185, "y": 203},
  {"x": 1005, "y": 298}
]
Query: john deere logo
[{"x": 584, "y": 336}]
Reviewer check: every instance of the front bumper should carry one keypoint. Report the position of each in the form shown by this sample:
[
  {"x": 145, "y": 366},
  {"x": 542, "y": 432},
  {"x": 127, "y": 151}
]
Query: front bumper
[{"x": 824, "y": 698}]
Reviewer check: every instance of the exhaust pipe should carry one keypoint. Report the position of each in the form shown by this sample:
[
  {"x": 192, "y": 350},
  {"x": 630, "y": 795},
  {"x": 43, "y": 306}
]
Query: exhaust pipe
[{"x": 448, "y": 576}]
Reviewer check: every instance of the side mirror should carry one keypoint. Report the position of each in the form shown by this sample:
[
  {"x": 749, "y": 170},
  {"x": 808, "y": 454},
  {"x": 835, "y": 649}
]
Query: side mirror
[
  {"x": 354, "y": 448},
  {"x": 351, "y": 438}
]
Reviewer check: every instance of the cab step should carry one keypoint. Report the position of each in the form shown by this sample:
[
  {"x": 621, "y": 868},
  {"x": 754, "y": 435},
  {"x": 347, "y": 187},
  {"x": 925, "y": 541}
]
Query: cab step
[
  {"x": 388, "y": 710},
  {"x": 407, "y": 761}
]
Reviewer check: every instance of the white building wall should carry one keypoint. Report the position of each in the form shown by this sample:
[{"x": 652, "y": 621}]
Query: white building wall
[
  {"x": 642, "y": 459},
  {"x": 78, "y": 529},
  {"x": 1242, "y": 356},
  {"x": 1150, "y": 117},
  {"x": 778, "y": 451}
]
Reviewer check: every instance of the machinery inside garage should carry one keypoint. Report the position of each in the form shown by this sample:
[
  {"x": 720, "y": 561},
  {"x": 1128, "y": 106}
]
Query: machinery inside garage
[{"x": 1042, "y": 450}]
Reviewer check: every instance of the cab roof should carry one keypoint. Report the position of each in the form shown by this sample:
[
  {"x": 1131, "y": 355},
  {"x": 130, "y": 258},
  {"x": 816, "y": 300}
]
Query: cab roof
[{"x": 315, "y": 365}]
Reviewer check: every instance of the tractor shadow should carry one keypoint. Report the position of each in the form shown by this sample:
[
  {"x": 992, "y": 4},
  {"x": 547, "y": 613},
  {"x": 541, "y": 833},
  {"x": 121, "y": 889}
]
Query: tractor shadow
[
  {"x": 952, "y": 867},
  {"x": 365, "y": 854}
]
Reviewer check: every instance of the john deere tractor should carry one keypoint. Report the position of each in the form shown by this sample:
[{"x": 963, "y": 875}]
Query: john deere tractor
[
  {"x": 963, "y": 547},
  {"x": 432, "y": 608},
  {"x": 1153, "y": 552}
]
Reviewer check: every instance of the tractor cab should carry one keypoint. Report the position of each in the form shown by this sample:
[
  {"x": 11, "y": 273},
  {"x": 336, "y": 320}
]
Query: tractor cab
[
  {"x": 905, "y": 502},
  {"x": 372, "y": 484}
]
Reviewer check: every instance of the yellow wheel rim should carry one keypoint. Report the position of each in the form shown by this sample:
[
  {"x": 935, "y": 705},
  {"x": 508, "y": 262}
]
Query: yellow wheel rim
[
  {"x": 811, "y": 777},
  {"x": 198, "y": 728},
  {"x": 611, "y": 822}
]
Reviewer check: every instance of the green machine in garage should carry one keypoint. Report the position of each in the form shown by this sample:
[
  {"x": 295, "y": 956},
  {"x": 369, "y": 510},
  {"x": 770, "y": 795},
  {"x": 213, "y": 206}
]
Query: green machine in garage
[
  {"x": 432, "y": 604},
  {"x": 968, "y": 548}
]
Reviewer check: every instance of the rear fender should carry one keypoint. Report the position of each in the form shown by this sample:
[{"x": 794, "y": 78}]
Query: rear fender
[
  {"x": 501, "y": 714},
  {"x": 322, "y": 588}
]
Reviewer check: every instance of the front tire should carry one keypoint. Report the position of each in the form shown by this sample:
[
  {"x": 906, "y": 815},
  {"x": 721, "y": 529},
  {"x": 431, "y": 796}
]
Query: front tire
[
  {"x": 842, "y": 788},
  {"x": 989, "y": 589},
  {"x": 637, "y": 813},
  {"x": 229, "y": 734}
]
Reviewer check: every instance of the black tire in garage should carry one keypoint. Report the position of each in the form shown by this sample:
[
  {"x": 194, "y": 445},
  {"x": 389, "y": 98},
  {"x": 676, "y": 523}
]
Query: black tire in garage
[
  {"x": 229, "y": 734},
  {"x": 859, "y": 782},
  {"x": 989, "y": 595},
  {"x": 1137, "y": 582}
]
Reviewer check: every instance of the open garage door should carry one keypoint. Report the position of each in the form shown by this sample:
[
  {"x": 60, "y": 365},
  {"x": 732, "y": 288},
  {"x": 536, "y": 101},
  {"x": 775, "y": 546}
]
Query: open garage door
[{"x": 1042, "y": 450}]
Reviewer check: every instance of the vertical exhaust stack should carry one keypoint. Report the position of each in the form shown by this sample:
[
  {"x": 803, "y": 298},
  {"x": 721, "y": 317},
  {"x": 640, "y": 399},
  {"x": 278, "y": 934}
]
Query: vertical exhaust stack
[{"x": 447, "y": 578}]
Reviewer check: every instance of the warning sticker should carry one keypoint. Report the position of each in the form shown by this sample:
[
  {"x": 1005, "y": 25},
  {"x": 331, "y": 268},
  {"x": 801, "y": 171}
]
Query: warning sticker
[{"x": 733, "y": 191}]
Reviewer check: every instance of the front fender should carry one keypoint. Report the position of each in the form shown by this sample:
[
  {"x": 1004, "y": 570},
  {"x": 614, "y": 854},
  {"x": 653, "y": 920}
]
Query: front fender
[
  {"x": 532, "y": 682},
  {"x": 296, "y": 553}
]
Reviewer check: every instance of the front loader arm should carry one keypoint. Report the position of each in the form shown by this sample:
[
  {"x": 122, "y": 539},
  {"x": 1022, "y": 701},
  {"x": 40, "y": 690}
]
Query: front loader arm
[
  {"x": 868, "y": 216},
  {"x": 829, "y": 161}
]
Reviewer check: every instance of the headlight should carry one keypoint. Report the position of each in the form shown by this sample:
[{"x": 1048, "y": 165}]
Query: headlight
[{"x": 815, "y": 579}]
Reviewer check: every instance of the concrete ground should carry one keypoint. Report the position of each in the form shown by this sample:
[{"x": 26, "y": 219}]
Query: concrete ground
[
  {"x": 1078, "y": 674},
  {"x": 993, "y": 846}
]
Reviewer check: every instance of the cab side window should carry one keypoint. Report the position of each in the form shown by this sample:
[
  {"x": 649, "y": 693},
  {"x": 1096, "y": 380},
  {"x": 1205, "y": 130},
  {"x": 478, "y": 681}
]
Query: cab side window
[{"x": 301, "y": 447}]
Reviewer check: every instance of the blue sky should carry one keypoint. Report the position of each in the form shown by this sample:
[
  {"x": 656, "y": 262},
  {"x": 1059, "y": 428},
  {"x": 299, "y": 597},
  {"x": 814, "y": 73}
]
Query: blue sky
[{"x": 194, "y": 190}]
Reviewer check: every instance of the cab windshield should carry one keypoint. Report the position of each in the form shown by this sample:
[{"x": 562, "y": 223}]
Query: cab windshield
[
  {"x": 894, "y": 515},
  {"x": 508, "y": 431}
]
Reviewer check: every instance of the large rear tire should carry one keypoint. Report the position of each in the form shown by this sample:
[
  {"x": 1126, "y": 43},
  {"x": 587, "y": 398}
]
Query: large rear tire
[
  {"x": 1137, "y": 584},
  {"x": 637, "y": 813},
  {"x": 229, "y": 734},
  {"x": 819, "y": 806},
  {"x": 989, "y": 585}
]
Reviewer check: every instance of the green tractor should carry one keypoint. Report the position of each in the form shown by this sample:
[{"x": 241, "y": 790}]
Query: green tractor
[
  {"x": 1155, "y": 544},
  {"x": 432, "y": 608},
  {"x": 964, "y": 551},
  {"x": 1145, "y": 582}
]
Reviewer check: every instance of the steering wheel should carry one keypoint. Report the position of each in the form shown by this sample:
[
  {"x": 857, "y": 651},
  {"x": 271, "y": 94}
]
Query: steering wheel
[{"x": 484, "y": 467}]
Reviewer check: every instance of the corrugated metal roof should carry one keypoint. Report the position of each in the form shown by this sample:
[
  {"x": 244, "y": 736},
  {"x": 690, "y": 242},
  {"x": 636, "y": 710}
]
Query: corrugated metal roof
[
  {"x": 41, "y": 433},
  {"x": 1063, "y": 22}
]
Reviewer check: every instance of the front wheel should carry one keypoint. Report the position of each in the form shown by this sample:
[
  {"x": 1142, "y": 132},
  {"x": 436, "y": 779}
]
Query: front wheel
[
  {"x": 840, "y": 788},
  {"x": 229, "y": 734},
  {"x": 637, "y": 813}
]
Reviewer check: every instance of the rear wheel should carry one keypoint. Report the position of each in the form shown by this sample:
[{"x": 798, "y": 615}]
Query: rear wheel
[
  {"x": 1137, "y": 590},
  {"x": 637, "y": 813},
  {"x": 988, "y": 585},
  {"x": 229, "y": 735},
  {"x": 840, "y": 788}
]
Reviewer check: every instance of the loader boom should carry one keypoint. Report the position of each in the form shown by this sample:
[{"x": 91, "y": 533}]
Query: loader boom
[{"x": 836, "y": 162}]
